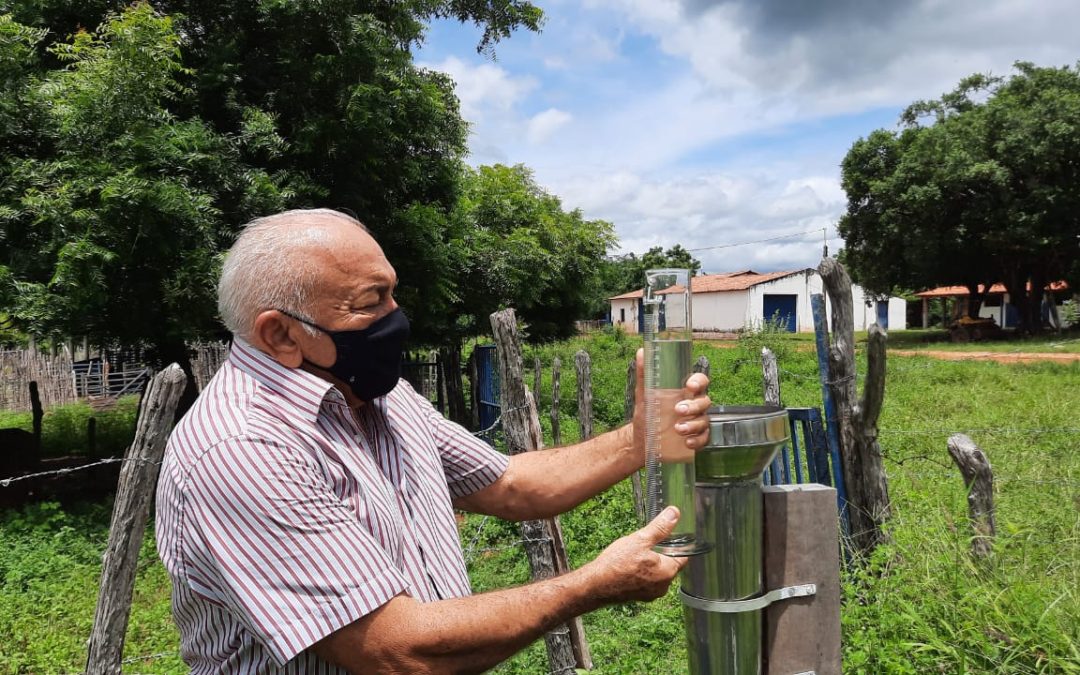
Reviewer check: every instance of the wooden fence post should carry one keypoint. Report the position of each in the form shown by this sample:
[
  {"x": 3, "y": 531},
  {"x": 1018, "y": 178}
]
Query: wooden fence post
[
  {"x": 91, "y": 437},
  {"x": 134, "y": 494},
  {"x": 566, "y": 647},
  {"x": 702, "y": 365},
  {"x": 556, "y": 432},
  {"x": 436, "y": 379},
  {"x": 583, "y": 365},
  {"x": 770, "y": 377},
  {"x": 864, "y": 471},
  {"x": 450, "y": 365},
  {"x": 628, "y": 414},
  {"x": 537, "y": 371},
  {"x": 37, "y": 413},
  {"x": 474, "y": 391},
  {"x": 979, "y": 479}
]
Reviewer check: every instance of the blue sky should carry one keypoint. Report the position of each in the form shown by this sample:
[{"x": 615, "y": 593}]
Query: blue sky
[{"x": 704, "y": 122}]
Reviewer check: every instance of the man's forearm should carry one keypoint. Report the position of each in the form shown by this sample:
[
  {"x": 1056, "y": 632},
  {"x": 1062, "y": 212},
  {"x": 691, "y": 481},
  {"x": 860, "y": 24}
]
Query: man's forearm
[
  {"x": 544, "y": 483},
  {"x": 461, "y": 635}
]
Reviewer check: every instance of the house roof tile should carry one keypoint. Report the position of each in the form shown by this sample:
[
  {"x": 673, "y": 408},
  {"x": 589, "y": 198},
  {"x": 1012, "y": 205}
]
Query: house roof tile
[
  {"x": 721, "y": 283},
  {"x": 996, "y": 289}
]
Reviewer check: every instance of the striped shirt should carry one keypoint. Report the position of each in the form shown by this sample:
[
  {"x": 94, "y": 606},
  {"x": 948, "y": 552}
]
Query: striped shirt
[{"x": 282, "y": 517}]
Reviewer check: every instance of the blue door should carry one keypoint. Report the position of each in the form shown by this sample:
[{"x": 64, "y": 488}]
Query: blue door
[
  {"x": 781, "y": 307},
  {"x": 487, "y": 384},
  {"x": 883, "y": 314}
]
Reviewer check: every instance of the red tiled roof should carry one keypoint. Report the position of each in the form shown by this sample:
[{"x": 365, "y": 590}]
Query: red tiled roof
[
  {"x": 721, "y": 283},
  {"x": 996, "y": 289}
]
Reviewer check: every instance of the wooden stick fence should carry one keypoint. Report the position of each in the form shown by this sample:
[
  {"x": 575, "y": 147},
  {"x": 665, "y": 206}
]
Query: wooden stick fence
[{"x": 52, "y": 373}]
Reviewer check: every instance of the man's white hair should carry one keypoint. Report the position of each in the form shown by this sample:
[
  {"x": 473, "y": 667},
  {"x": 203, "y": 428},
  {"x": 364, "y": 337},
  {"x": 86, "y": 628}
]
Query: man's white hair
[{"x": 268, "y": 267}]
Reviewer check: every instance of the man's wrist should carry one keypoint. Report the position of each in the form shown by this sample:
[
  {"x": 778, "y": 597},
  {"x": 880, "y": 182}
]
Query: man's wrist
[
  {"x": 635, "y": 457},
  {"x": 590, "y": 589}
]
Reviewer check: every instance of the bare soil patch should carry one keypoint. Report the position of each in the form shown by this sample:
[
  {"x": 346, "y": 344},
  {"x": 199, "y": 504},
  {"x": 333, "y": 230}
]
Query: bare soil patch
[{"x": 998, "y": 357}]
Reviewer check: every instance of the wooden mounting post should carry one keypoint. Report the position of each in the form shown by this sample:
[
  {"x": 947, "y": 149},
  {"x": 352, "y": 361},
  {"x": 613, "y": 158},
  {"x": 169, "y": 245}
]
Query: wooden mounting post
[
  {"x": 566, "y": 646},
  {"x": 864, "y": 472},
  {"x": 979, "y": 479},
  {"x": 583, "y": 365},
  {"x": 134, "y": 494}
]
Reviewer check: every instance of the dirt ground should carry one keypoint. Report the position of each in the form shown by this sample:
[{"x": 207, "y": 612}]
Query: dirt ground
[{"x": 999, "y": 357}]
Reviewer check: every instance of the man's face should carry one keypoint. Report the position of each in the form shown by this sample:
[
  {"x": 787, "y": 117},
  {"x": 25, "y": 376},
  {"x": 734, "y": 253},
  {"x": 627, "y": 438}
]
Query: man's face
[{"x": 353, "y": 288}]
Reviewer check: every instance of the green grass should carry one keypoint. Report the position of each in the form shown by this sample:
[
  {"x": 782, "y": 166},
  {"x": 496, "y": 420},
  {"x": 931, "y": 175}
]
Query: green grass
[
  {"x": 64, "y": 428},
  {"x": 1067, "y": 342},
  {"x": 920, "y": 605}
]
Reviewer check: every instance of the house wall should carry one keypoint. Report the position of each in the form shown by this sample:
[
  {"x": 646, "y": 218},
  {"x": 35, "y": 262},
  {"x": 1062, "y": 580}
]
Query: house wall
[
  {"x": 631, "y": 307},
  {"x": 719, "y": 312},
  {"x": 801, "y": 285},
  {"x": 675, "y": 310},
  {"x": 897, "y": 314},
  {"x": 864, "y": 308},
  {"x": 738, "y": 310}
]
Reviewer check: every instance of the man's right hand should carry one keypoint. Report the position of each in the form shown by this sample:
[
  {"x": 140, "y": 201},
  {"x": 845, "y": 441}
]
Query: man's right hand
[{"x": 630, "y": 570}]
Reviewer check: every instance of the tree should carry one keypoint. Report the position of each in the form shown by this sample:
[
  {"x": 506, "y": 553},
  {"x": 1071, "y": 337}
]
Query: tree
[
  {"x": 624, "y": 273},
  {"x": 979, "y": 186},
  {"x": 512, "y": 245},
  {"x": 134, "y": 150},
  {"x": 111, "y": 204}
]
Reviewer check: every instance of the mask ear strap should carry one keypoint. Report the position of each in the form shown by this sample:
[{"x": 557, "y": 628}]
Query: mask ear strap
[{"x": 303, "y": 320}]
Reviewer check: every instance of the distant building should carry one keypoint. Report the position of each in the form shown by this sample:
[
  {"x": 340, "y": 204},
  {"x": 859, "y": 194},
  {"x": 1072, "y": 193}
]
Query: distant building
[
  {"x": 996, "y": 304},
  {"x": 741, "y": 300}
]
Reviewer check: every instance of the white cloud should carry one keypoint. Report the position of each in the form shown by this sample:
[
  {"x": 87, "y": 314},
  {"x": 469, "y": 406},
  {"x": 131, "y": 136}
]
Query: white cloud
[
  {"x": 484, "y": 89},
  {"x": 844, "y": 56},
  {"x": 654, "y": 87},
  {"x": 714, "y": 208},
  {"x": 543, "y": 125}
]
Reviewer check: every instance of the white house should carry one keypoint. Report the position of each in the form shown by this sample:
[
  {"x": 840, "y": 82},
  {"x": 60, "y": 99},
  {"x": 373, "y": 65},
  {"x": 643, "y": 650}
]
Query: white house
[{"x": 741, "y": 300}]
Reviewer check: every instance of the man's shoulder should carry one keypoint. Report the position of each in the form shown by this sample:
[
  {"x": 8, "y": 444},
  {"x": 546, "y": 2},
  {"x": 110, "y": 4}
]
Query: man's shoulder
[
  {"x": 221, "y": 411},
  {"x": 233, "y": 411}
]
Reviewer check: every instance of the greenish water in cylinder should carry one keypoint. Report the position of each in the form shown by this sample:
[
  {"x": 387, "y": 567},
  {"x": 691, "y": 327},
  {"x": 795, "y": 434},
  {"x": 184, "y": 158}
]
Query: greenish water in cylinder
[
  {"x": 677, "y": 489},
  {"x": 672, "y": 363}
]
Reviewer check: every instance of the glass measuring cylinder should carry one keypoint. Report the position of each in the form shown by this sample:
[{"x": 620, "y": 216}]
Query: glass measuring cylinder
[{"x": 669, "y": 464}]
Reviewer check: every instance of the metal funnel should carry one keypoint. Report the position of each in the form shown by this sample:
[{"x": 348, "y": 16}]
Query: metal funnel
[{"x": 726, "y": 639}]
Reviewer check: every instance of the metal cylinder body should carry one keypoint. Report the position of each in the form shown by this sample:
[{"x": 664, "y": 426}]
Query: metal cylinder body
[{"x": 728, "y": 505}]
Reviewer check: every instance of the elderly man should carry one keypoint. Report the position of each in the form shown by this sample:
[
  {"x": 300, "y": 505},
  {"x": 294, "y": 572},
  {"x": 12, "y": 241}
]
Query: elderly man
[{"x": 305, "y": 505}]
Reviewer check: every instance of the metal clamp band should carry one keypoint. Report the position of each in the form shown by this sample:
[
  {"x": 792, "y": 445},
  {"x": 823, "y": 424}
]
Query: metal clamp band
[{"x": 748, "y": 605}]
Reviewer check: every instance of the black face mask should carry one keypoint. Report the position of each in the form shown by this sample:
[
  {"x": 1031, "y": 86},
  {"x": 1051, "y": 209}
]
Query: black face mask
[{"x": 368, "y": 360}]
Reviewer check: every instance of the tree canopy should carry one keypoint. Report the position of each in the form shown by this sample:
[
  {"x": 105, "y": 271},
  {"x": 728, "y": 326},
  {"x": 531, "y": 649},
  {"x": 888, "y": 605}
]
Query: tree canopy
[
  {"x": 624, "y": 273},
  {"x": 979, "y": 186},
  {"x": 137, "y": 139},
  {"x": 515, "y": 245}
]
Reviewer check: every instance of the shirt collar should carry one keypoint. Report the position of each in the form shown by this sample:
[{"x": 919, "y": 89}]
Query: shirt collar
[{"x": 303, "y": 390}]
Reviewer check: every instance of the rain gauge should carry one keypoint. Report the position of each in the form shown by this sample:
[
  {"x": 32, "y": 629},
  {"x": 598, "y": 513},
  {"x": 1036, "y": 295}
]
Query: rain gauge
[{"x": 669, "y": 464}]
